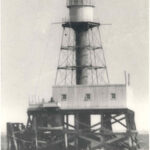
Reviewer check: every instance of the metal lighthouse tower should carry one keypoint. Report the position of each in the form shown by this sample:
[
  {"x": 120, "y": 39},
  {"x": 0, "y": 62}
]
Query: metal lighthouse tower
[
  {"x": 81, "y": 43},
  {"x": 81, "y": 60},
  {"x": 82, "y": 93}
]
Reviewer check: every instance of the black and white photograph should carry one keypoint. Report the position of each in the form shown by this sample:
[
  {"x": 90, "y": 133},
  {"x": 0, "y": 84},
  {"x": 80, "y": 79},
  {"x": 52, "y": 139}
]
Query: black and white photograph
[{"x": 74, "y": 75}]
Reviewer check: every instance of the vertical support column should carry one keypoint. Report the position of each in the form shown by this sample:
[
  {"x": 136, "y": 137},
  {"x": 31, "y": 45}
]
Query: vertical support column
[
  {"x": 106, "y": 121},
  {"x": 130, "y": 121},
  {"x": 82, "y": 57},
  {"x": 77, "y": 128},
  {"x": 29, "y": 121},
  {"x": 131, "y": 127},
  {"x": 35, "y": 131},
  {"x": 12, "y": 142},
  {"x": 106, "y": 124},
  {"x": 82, "y": 43},
  {"x": 8, "y": 137},
  {"x": 66, "y": 135},
  {"x": 67, "y": 120}
]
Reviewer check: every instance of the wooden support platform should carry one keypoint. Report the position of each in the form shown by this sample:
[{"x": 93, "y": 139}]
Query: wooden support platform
[{"x": 66, "y": 137}]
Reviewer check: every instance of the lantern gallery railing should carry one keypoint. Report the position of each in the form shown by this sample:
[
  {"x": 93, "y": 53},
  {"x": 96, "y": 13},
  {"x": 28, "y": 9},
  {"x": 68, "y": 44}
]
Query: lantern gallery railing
[{"x": 80, "y": 2}]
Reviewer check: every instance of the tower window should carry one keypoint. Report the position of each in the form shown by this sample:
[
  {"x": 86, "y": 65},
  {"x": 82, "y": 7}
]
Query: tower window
[
  {"x": 113, "y": 96},
  {"x": 63, "y": 97},
  {"x": 87, "y": 97}
]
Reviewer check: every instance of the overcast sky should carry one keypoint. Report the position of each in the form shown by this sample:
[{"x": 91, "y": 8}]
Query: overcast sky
[{"x": 31, "y": 43}]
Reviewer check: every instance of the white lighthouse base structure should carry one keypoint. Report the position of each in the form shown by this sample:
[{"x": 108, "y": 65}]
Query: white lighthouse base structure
[{"x": 55, "y": 124}]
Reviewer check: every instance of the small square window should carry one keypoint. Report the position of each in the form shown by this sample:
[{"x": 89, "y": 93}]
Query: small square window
[
  {"x": 87, "y": 97},
  {"x": 63, "y": 97},
  {"x": 113, "y": 96}
]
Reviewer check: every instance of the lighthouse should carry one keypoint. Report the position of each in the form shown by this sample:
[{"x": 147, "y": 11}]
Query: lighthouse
[{"x": 82, "y": 91}]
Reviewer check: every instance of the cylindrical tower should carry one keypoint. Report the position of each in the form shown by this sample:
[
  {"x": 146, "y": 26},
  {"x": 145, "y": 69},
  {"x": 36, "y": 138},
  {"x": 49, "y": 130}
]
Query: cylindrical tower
[
  {"x": 80, "y": 10},
  {"x": 81, "y": 56},
  {"x": 81, "y": 13}
]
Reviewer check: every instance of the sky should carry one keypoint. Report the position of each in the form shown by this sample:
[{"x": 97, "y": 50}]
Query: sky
[{"x": 31, "y": 43}]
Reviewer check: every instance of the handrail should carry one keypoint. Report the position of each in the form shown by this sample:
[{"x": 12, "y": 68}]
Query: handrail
[{"x": 80, "y": 2}]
